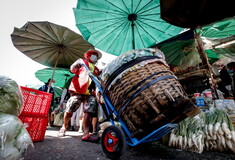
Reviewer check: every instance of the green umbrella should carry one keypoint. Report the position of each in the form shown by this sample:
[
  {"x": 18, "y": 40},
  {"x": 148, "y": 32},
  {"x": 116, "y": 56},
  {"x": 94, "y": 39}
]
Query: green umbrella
[
  {"x": 120, "y": 26},
  {"x": 181, "y": 50},
  {"x": 61, "y": 75},
  {"x": 57, "y": 90}
]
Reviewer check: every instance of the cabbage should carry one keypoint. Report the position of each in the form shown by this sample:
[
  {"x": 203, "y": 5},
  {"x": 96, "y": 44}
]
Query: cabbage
[
  {"x": 14, "y": 138},
  {"x": 11, "y": 98}
]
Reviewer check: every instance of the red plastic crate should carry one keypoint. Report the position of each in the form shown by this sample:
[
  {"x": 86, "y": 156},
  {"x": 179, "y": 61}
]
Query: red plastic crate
[
  {"x": 35, "y": 103},
  {"x": 36, "y": 127}
]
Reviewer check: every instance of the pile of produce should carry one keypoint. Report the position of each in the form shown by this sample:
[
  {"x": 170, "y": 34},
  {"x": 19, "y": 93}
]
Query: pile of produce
[
  {"x": 14, "y": 138},
  {"x": 211, "y": 130},
  {"x": 189, "y": 134},
  {"x": 219, "y": 131}
]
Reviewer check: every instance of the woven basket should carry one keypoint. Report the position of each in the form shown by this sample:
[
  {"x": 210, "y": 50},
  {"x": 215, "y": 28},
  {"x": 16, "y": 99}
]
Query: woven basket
[{"x": 149, "y": 97}]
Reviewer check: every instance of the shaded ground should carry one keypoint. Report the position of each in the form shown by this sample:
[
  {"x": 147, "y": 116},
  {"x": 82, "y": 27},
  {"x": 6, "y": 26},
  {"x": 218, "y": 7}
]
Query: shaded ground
[{"x": 72, "y": 148}]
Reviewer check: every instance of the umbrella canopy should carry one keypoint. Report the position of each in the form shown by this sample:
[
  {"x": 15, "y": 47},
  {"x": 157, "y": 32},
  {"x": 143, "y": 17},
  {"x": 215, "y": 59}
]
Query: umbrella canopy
[
  {"x": 57, "y": 90},
  {"x": 120, "y": 26},
  {"x": 181, "y": 50},
  {"x": 219, "y": 37},
  {"x": 193, "y": 13},
  {"x": 61, "y": 75},
  {"x": 49, "y": 44}
]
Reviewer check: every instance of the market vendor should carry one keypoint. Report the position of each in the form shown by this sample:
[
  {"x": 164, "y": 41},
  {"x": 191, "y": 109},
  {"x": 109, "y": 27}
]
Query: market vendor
[{"x": 227, "y": 80}]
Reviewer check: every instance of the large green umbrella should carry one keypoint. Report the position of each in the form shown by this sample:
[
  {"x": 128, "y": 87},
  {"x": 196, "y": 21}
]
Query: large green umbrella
[
  {"x": 61, "y": 75},
  {"x": 119, "y": 26}
]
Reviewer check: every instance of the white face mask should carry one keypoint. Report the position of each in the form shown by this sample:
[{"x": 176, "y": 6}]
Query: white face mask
[{"x": 93, "y": 58}]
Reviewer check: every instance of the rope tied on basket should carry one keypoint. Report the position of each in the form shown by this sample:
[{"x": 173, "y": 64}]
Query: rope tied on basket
[{"x": 147, "y": 85}]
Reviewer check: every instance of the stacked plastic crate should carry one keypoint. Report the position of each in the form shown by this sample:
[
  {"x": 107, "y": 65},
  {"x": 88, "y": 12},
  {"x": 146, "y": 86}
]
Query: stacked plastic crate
[{"x": 34, "y": 114}]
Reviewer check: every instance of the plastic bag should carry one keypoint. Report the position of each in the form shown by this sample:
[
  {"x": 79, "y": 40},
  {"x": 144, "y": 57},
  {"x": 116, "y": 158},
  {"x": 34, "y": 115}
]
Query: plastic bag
[
  {"x": 101, "y": 114},
  {"x": 11, "y": 98},
  {"x": 59, "y": 119},
  {"x": 14, "y": 138}
]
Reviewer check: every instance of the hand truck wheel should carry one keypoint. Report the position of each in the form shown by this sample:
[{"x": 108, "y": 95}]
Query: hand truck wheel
[{"x": 113, "y": 142}]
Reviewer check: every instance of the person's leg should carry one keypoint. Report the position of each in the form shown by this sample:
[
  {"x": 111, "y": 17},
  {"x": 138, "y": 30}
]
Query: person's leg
[
  {"x": 89, "y": 108},
  {"x": 86, "y": 124},
  {"x": 80, "y": 124},
  {"x": 72, "y": 105},
  {"x": 72, "y": 121},
  {"x": 94, "y": 124},
  {"x": 67, "y": 117}
]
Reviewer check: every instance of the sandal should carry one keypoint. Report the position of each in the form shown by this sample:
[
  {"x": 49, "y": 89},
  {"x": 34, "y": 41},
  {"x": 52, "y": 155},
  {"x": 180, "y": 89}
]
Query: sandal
[
  {"x": 91, "y": 138},
  {"x": 61, "y": 133}
]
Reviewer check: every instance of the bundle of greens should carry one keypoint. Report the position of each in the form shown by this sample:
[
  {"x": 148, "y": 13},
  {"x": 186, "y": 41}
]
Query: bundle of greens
[
  {"x": 211, "y": 130},
  {"x": 189, "y": 134},
  {"x": 219, "y": 131},
  {"x": 10, "y": 96}
]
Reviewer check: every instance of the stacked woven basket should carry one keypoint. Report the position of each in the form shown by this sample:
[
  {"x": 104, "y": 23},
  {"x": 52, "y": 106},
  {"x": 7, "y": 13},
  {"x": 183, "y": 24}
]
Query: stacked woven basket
[{"x": 146, "y": 94}]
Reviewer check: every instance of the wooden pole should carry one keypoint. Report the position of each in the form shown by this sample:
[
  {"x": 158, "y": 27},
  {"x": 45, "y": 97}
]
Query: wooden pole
[
  {"x": 49, "y": 86},
  {"x": 205, "y": 61}
]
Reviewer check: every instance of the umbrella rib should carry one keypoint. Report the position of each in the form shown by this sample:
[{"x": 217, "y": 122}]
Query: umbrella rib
[
  {"x": 43, "y": 38},
  {"x": 125, "y": 6},
  {"x": 146, "y": 30},
  {"x": 103, "y": 20},
  {"x": 28, "y": 38},
  {"x": 118, "y": 12},
  {"x": 109, "y": 26},
  {"x": 40, "y": 54},
  {"x": 117, "y": 7},
  {"x": 137, "y": 6},
  {"x": 139, "y": 35},
  {"x": 54, "y": 32},
  {"x": 118, "y": 35},
  {"x": 153, "y": 20},
  {"x": 144, "y": 6},
  {"x": 110, "y": 32},
  {"x": 155, "y": 7},
  {"x": 41, "y": 31},
  {"x": 154, "y": 28}
]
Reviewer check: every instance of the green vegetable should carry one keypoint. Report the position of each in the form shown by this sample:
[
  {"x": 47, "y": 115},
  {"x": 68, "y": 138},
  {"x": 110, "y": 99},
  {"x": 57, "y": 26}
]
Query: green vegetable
[
  {"x": 14, "y": 138},
  {"x": 11, "y": 98}
]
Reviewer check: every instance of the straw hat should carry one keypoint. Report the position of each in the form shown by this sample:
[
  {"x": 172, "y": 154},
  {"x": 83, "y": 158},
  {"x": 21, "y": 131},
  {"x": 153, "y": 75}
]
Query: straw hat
[{"x": 92, "y": 51}]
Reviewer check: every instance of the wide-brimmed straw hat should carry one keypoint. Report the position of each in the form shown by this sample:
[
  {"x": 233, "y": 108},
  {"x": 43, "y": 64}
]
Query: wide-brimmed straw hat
[{"x": 92, "y": 51}]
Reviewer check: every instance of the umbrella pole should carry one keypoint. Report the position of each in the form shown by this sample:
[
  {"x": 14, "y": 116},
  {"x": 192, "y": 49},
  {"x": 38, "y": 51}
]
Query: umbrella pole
[
  {"x": 49, "y": 86},
  {"x": 132, "y": 29},
  {"x": 205, "y": 61}
]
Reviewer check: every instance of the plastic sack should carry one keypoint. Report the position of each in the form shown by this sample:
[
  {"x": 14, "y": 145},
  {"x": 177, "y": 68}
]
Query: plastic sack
[
  {"x": 127, "y": 57},
  {"x": 11, "y": 98},
  {"x": 14, "y": 138},
  {"x": 101, "y": 114},
  {"x": 59, "y": 119}
]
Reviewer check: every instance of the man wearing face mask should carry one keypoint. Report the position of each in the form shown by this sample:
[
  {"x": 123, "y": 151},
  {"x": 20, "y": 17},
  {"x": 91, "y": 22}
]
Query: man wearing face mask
[
  {"x": 82, "y": 90},
  {"x": 227, "y": 79}
]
